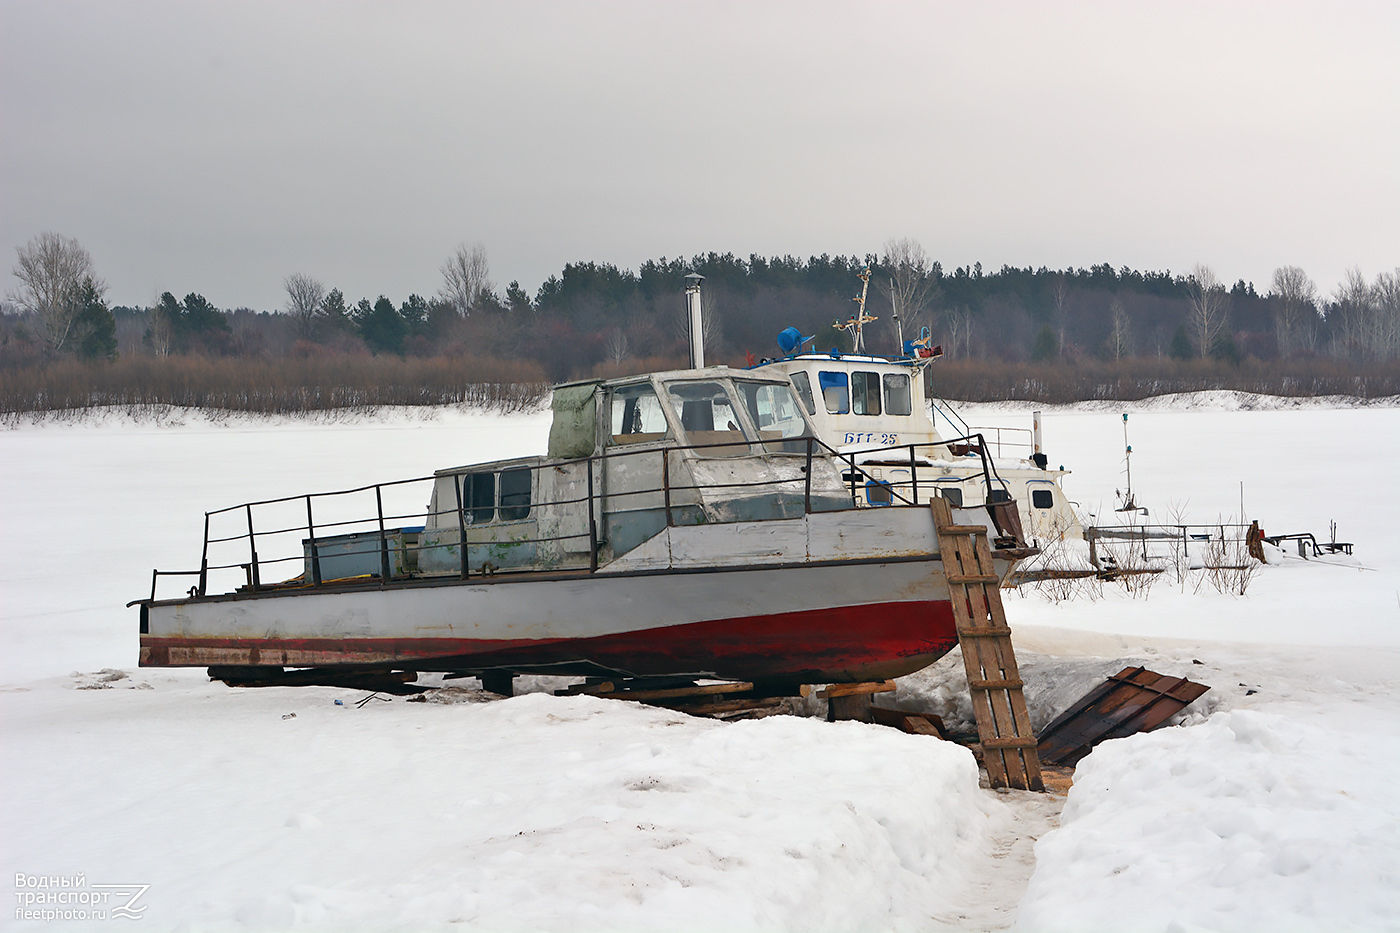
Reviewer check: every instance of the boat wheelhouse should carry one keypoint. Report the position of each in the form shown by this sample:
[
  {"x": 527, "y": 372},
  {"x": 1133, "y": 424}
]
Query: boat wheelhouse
[{"x": 873, "y": 409}]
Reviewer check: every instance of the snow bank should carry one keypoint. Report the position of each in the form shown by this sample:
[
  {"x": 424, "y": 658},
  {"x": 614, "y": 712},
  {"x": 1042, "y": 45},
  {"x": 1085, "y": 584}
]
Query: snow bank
[
  {"x": 1249, "y": 821},
  {"x": 277, "y": 809}
]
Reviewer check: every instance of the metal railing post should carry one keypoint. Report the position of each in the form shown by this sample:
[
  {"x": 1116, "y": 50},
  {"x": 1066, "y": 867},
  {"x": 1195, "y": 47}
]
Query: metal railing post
[
  {"x": 592, "y": 523},
  {"x": 253, "y": 551},
  {"x": 913, "y": 476},
  {"x": 204, "y": 559},
  {"x": 461, "y": 525},
  {"x": 315, "y": 551},
  {"x": 666, "y": 484},
  {"x": 986, "y": 466},
  {"x": 383, "y": 541},
  {"x": 807, "y": 485}
]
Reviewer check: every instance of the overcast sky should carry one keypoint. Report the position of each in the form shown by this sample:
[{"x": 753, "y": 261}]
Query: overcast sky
[{"x": 219, "y": 147}]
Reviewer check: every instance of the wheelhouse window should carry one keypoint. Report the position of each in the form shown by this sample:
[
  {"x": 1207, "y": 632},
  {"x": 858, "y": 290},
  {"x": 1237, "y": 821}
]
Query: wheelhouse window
[
  {"x": 637, "y": 415},
  {"x": 803, "y": 383},
  {"x": 707, "y": 416},
  {"x": 952, "y": 492},
  {"x": 897, "y": 400},
  {"x": 865, "y": 393},
  {"x": 479, "y": 497},
  {"x": 1042, "y": 498},
  {"x": 836, "y": 393},
  {"x": 774, "y": 411},
  {"x": 515, "y": 495},
  {"x": 483, "y": 493}
]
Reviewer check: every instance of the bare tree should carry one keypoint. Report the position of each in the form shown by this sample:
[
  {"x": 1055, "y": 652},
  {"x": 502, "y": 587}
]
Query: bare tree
[
  {"x": 304, "y": 297},
  {"x": 1351, "y": 318},
  {"x": 466, "y": 278},
  {"x": 1386, "y": 296},
  {"x": 1294, "y": 303},
  {"x": 1210, "y": 306},
  {"x": 959, "y": 321},
  {"x": 1059, "y": 290},
  {"x": 52, "y": 272},
  {"x": 165, "y": 317},
  {"x": 617, "y": 345},
  {"x": 1120, "y": 342},
  {"x": 910, "y": 282}
]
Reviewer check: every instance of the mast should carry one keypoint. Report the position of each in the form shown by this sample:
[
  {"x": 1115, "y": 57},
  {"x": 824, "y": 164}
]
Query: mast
[
  {"x": 856, "y": 323},
  {"x": 898, "y": 328}
]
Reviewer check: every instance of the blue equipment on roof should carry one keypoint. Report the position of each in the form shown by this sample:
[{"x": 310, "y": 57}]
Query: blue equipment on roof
[{"x": 791, "y": 340}]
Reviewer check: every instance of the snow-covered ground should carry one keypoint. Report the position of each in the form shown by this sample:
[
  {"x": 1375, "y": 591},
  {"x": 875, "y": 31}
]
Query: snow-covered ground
[{"x": 1272, "y": 807}]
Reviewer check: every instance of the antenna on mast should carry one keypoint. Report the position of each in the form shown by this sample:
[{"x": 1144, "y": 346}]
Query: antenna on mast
[
  {"x": 1129, "y": 505},
  {"x": 856, "y": 322}
]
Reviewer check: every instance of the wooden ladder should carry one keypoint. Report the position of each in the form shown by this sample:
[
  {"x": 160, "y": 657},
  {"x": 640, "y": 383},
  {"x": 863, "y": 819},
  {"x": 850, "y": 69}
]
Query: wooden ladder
[{"x": 1003, "y": 724}]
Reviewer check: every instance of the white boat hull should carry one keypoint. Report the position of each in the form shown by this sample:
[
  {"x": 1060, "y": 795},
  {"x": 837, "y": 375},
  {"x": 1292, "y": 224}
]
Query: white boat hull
[{"x": 830, "y": 597}]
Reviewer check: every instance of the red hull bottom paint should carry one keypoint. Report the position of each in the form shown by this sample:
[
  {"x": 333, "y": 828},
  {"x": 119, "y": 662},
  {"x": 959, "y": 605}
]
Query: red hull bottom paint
[{"x": 846, "y": 643}]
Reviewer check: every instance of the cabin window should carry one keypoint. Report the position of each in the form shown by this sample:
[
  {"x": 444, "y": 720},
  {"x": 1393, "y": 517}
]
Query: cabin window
[
  {"x": 515, "y": 495},
  {"x": 773, "y": 409},
  {"x": 637, "y": 415},
  {"x": 865, "y": 393},
  {"x": 999, "y": 495},
  {"x": 803, "y": 383},
  {"x": 835, "y": 392},
  {"x": 1042, "y": 498},
  {"x": 897, "y": 400},
  {"x": 953, "y": 494},
  {"x": 708, "y": 418},
  {"x": 479, "y": 497}
]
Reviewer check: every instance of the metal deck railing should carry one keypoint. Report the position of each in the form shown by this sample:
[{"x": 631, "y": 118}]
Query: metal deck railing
[{"x": 238, "y": 541}]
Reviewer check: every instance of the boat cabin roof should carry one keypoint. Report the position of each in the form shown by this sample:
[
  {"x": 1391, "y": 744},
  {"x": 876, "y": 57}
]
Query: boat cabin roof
[
  {"x": 675, "y": 375},
  {"x": 491, "y": 466},
  {"x": 727, "y": 412}
]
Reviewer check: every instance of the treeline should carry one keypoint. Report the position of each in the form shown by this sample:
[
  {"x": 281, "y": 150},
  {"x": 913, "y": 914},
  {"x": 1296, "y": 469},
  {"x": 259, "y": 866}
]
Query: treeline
[
  {"x": 1084, "y": 331},
  {"x": 1132, "y": 380},
  {"x": 267, "y": 386}
]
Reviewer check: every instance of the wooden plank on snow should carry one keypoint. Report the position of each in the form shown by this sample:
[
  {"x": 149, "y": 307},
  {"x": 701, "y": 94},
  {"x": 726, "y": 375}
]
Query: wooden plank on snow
[{"x": 1133, "y": 700}]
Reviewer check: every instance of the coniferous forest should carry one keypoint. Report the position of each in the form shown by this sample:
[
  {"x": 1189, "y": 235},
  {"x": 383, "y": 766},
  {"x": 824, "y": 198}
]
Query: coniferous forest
[{"x": 1050, "y": 335}]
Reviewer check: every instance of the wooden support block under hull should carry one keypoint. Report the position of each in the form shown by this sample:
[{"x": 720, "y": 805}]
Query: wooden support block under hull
[
  {"x": 847, "y": 690},
  {"x": 913, "y": 723}
]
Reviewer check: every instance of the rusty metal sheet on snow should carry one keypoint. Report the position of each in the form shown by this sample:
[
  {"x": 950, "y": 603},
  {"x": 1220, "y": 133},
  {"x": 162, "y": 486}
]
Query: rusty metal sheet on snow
[{"x": 1133, "y": 700}]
